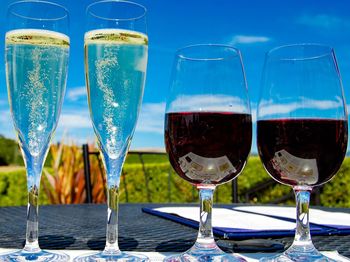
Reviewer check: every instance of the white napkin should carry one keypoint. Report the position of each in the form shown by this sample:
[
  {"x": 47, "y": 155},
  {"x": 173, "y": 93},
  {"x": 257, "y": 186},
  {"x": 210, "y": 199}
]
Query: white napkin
[
  {"x": 229, "y": 218},
  {"x": 317, "y": 216}
]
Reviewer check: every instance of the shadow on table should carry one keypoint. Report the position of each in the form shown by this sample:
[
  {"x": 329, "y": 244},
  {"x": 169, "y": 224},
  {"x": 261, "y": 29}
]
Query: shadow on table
[
  {"x": 250, "y": 245},
  {"x": 180, "y": 245},
  {"x": 125, "y": 243},
  {"x": 55, "y": 241}
]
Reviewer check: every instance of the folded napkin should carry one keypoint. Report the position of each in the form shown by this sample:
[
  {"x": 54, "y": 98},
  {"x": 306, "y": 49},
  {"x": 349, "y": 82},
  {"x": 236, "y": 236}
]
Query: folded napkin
[{"x": 256, "y": 221}]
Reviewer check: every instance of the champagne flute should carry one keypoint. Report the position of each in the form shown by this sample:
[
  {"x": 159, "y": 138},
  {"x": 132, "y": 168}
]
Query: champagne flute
[
  {"x": 302, "y": 129},
  {"x": 37, "y": 51},
  {"x": 116, "y": 50},
  {"x": 208, "y": 131}
]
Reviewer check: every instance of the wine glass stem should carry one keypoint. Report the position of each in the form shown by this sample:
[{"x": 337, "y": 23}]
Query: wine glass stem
[
  {"x": 302, "y": 233},
  {"x": 113, "y": 170},
  {"x": 205, "y": 234},
  {"x": 112, "y": 220},
  {"x": 34, "y": 168}
]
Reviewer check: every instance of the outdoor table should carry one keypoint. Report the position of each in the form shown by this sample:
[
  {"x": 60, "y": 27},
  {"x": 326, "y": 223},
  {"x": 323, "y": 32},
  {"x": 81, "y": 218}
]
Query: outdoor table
[{"x": 82, "y": 227}]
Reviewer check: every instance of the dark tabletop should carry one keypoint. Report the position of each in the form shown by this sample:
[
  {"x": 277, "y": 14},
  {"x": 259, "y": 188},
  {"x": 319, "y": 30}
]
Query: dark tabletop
[{"x": 83, "y": 227}]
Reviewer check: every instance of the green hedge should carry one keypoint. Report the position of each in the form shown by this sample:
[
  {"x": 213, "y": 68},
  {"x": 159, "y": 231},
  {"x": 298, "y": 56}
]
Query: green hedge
[
  {"x": 159, "y": 184},
  {"x": 13, "y": 189},
  {"x": 165, "y": 186},
  {"x": 9, "y": 152},
  {"x": 336, "y": 193}
]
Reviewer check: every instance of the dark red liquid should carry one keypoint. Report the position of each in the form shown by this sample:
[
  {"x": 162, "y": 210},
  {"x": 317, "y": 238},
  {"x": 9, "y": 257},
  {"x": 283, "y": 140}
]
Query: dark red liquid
[
  {"x": 302, "y": 151},
  {"x": 208, "y": 147}
]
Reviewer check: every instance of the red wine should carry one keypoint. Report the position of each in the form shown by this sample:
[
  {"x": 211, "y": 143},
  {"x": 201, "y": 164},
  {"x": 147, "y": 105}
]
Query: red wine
[
  {"x": 302, "y": 151},
  {"x": 208, "y": 147}
]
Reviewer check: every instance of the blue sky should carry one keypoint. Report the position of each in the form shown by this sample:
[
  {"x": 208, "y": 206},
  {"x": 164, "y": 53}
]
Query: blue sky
[{"x": 253, "y": 26}]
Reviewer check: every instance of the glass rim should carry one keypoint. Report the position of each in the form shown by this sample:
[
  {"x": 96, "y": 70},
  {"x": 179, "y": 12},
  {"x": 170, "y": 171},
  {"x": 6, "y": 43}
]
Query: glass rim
[
  {"x": 88, "y": 11},
  {"x": 179, "y": 53},
  {"x": 11, "y": 11},
  {"x": 271, "y": 54}
]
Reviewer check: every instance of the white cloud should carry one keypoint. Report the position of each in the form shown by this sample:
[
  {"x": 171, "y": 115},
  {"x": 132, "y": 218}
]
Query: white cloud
[
  {"x": 74, "y": 119},
  {"x": 5, "y": 116},
  {"x": 323, "y": 21},
  {"x": 68, "y": 119},
  {"x": 3, "y": 102},
  {"x": 6, "y": 124},
  {"x": 76, "y": 93},
  {"x": 73, "y": 137},
  {"x": 253, "y": 108},
  {"x": 208, "y": 103},
  {"x": 151, "y": 118},
  {"x": 248, "y": 39},
  {"x": 268, "y": 108}
]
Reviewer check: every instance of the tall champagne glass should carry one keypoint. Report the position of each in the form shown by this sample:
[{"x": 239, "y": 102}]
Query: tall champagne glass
[
  {"x": 302, "y": 129},
  {"x": 37, "y": 50},
  {"x": 116, "y": 49},
  {"x": 208, "y": 131}
]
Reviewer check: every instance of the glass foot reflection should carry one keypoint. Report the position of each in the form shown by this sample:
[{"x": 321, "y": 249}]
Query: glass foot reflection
[
  {"x": 41, "y": 256},
  {"x": 198, "y": 253},
  {"x": 104, "y": 256},
  {"x": 299, "y": 253}
]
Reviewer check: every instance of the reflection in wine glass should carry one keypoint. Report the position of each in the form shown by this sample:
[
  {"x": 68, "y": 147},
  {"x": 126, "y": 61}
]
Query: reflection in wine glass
[
  {"x": 37, "y": 50},
  {"x": 207, "y": 131},
  {"x": 295, "y": 169},
  {"x": 302, "y": 129},
  {"x": 116, "y": 51}
]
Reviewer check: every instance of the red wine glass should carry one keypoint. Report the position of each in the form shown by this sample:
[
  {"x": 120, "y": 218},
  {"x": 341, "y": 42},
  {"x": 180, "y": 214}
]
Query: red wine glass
[
  {"x": 302, "y": 130},
  {"x": 208, "y": 131}
]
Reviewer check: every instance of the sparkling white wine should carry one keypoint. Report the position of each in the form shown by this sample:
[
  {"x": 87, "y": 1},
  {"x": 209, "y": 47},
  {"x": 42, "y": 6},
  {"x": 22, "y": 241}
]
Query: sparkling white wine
[
  {"x": 115, "y": 62},
  {"x": 36, "y": 74}
]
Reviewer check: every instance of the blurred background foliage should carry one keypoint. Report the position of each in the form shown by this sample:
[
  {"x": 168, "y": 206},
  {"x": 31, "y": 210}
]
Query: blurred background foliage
[{"x": 63, "y": 181}]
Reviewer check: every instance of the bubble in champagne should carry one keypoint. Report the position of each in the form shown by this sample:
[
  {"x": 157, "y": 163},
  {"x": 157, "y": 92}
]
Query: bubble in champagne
[
  {"x": 116, "y": 64},
  {"x": 36, "y": 70}
]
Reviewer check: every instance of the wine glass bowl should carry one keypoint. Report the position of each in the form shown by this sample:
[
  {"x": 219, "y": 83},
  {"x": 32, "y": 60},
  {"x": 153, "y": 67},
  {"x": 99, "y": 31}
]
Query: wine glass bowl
[
  {"x": 302, "y": 130},
  {"x": 200, "y": 145},
  {"x": 208, "y": 131},
  {"x": 310, "y": 153},
  {"x": 36, "y": 54}
]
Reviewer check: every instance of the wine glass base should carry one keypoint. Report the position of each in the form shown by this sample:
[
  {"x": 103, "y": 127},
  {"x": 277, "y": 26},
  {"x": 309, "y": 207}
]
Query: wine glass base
[
  {"x": 299, "y": 254},
  {"x": 104, "y": 256},
  {"x": 201, "y": 254},
  {"x": 42, "y": 256}
]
